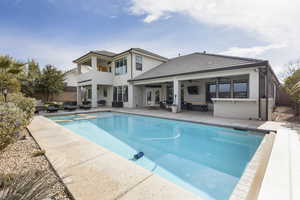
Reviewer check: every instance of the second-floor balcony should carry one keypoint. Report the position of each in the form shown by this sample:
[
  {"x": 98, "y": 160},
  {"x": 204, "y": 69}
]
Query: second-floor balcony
[
  {"x": 97, "y": 77},
  {"x": 99, "y": 68}
]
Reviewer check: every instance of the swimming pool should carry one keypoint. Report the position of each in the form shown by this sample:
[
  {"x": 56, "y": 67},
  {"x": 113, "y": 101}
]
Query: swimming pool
[{"x": 206, "y": 160}]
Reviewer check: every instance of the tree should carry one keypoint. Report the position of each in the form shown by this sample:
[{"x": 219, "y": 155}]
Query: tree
[
  {"x": 51, "y": 81},
  {"x": 10, "y": 71},
  {"x": 292, "y": 83},
  {"x": 30, "y": 78}
]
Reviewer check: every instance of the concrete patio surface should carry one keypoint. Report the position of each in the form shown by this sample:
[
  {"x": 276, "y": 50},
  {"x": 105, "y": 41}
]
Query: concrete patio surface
[{"x": 97, "y": 173}]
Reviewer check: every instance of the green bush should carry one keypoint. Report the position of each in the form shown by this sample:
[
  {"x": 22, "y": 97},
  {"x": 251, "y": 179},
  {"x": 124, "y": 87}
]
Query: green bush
[
  {"x": 12, "y": 121},
  {"x": 27, "y": 105},
  {"x": 15, "y": 115}
]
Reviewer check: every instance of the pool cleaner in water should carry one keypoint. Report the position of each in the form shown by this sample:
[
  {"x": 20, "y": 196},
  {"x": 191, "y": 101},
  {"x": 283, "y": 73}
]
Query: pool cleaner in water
[{"x": 138, "y": 155}]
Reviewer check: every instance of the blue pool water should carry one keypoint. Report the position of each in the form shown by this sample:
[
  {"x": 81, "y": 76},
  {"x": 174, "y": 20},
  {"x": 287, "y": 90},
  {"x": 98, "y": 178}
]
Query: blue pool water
[{"x": 206, "y": 160}]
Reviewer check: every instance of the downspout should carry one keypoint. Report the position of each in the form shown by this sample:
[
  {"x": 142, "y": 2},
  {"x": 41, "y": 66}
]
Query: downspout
[
  {"x": 259, "y": 96},
  {"x": 267, "y": 93}
]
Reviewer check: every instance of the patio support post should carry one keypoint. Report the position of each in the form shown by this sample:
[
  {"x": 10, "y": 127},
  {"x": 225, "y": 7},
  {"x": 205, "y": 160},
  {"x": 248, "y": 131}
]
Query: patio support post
[
  {"x": 78, "y": 95},
  {"x": 94, "y": 62},
  {"x": 94, "y": 95},
  {"x": 177, "y": 95}
]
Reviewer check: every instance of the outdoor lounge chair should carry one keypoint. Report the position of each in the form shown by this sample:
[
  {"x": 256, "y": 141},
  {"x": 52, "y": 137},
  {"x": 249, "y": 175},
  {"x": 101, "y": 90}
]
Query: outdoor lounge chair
[
  {"x": 52, "y": 108},
  {"x": 117, "y": 104},
  {"x": 101, "y": 103},
  {"x": 86, "y": 105},
  {"x": 198, "y": 106},
  {"x": 70, "y": 105}
]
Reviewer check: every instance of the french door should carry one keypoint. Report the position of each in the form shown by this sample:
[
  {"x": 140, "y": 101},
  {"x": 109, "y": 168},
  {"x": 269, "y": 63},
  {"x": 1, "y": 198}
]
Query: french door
[{"x": 153, "y": 96}]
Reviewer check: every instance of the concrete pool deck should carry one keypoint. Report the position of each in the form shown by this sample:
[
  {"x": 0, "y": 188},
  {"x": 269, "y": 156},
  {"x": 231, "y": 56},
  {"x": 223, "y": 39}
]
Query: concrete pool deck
[{"x": 97, "y": 173}]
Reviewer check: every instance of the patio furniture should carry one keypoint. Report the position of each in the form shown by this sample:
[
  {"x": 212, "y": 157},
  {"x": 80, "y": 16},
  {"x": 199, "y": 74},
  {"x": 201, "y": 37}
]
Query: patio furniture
[
  {"x": 101, "y": 103},
  {"x": 197, "y": 106},
  {"x": 117, "y": 104},
  {"x": 166, "y": 104},
  {"x": 86, "y": 105},
  {"x": 70, "y": 105},
  {"x": 52, "y": 108},
  {"x": 39, "y": 108}
]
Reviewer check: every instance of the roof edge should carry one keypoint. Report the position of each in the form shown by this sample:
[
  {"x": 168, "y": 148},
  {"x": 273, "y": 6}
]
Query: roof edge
[
  {"x": 210, "y": 70},
  {"x": 90, "y": 52}
]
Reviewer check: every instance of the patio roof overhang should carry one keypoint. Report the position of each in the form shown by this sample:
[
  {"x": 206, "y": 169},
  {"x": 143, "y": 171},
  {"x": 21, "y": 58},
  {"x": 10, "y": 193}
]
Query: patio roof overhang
[
  {"x": 88, "y": 56},
  {"x": 176, "y": 75}
]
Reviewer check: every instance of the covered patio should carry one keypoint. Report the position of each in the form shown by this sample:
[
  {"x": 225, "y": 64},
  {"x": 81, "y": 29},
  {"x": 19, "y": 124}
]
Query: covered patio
[{"x": 194, "y": 94}]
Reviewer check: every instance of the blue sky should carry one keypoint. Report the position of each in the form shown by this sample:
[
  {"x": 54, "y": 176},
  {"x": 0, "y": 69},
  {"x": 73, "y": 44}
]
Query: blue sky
[{"x": 58, "y": 31}]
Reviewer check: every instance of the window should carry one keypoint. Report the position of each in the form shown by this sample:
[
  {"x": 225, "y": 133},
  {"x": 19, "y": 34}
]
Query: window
[
  {"x": 120, "y": 91},
  {"x": 104, "y": 91},
  {"x": 240, "y": 89},
  {"x": 225, "y": 89},
  {"x": 211, "y": 91},
  {"x": 138, "y": 63},
  {"x": 89, "y": 93},
  {"x": 170, "y": 93},
  {"x": 125, "y": 93},
  {"x": 115, "y": 93},
  {"x": 121, "y": 66},
  {"x": 193, "y": 90},
  {"x": 157, "y": 96}
]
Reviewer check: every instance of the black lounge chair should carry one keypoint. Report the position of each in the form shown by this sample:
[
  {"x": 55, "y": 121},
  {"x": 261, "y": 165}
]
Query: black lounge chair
[
  {"x": 101, "y": 103},
  {"x": 118, "y": 104},
  {"x": 39, "y": 108},
  {"x": 86, "y": 105},
  {"x": 52, "y": 108},
  {"x": 70, "y": 105}
]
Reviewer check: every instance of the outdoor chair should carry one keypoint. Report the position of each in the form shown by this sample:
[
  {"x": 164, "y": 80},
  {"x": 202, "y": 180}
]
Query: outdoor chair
[
  {"x": 101, "y": 103},
  {"x": 117, "y": 104},
  {"x": 86, "y": 105},
  {"x": 70, "y": 105},
  {"x": 52, "y": 108}
]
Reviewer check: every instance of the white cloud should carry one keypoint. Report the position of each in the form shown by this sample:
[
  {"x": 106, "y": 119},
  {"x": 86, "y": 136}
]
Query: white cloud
[
  {"x": 269, "y": 21},
  {"x": 251, "y": 51},
  {"x": 273, "y": 20}
]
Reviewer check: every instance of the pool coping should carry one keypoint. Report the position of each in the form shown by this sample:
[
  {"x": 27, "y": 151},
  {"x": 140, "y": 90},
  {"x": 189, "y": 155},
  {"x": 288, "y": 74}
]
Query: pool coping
[
  {"x": 125, "y": 181},
  {"x": 249, "y": 184},
  {"x": 244, "y": 128}
]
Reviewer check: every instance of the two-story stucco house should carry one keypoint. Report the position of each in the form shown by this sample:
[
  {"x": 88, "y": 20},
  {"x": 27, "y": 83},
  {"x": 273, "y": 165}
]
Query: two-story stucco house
[{"x": 229, "y": 86}]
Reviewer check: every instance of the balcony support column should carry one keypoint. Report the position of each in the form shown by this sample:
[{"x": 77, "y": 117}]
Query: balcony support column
[
  {"x": 94, "y": 62},
  {"x": 79, "y": 68}
]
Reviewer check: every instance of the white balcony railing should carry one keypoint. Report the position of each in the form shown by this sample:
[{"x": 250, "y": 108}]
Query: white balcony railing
[{"x": 101, "y": 78}]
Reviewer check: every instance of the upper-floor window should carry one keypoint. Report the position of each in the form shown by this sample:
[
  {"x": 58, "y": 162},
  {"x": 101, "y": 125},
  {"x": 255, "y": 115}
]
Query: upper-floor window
[
  {"x": 138, "y": 63},
  {"x": 121, "y": 66}
]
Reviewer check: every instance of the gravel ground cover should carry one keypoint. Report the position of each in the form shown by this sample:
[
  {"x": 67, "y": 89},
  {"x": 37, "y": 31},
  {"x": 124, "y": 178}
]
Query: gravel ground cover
[{"x": 21, "y": 157}]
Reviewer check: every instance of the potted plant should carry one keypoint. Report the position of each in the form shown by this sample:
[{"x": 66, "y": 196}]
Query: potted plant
[{"x": 174, "y": 108}]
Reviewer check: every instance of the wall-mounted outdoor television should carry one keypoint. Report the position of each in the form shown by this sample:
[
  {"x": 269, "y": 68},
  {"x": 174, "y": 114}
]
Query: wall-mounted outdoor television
[{"x": 193, "y": 90}]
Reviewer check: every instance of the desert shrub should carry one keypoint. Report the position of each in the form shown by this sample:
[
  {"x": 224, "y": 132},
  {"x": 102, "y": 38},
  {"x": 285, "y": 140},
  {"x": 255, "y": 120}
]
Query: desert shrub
[
  {"x": 12, "y": 121},
  {"x": 34, "y": 185},
  {"x": 26, "y": 104},
  {"x": 15, "y": 115}
]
